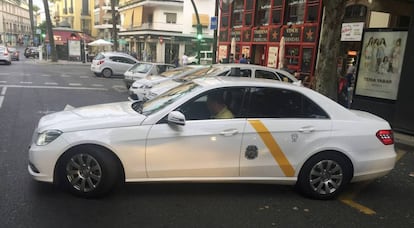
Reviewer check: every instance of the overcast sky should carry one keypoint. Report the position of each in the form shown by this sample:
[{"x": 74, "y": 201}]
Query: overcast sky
[{"x": 38, "y": 3}]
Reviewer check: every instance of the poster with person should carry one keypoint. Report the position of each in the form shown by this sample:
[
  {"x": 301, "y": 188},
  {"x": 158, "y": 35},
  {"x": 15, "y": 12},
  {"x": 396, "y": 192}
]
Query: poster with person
[{"x": 380, "y": 63}]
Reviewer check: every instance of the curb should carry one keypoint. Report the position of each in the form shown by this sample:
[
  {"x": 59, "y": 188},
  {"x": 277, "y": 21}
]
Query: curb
[
  {"x": 60, "y": 62},
  {"x": 404, "y": 139}
]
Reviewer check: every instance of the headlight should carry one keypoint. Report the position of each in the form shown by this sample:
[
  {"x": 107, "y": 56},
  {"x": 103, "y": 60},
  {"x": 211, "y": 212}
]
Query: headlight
[
  {"x": 47, "y": 137},
  {"x": 147, "y": 86}
]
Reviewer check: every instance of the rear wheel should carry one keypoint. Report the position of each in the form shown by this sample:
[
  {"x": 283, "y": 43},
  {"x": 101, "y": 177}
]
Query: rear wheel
[
  {"x": 107, "y": 73},
  {"x": 324, "y": 175},
  {"x": 88, "y": 171}
]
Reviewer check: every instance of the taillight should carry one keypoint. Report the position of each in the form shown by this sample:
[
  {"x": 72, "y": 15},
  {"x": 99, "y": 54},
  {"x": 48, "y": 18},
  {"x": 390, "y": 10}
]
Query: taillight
[
  {"x": 385, "y": 136},
  {"x": 100, "y": 62},
  {"x": 6, "y": 52}
]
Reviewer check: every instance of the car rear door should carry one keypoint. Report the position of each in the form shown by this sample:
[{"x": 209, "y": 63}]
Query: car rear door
[
  {"x": 203, "y": 147},
  {"x": 283, "y": 128}
]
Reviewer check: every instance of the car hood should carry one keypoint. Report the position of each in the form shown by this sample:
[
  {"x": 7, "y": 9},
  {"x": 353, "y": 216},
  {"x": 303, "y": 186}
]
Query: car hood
[
  {"x": 92, "y": 117},
  {"x": 149, "y": 80}
]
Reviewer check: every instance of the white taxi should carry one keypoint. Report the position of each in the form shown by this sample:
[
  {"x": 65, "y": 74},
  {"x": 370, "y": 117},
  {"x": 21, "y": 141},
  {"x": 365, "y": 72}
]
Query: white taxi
[{"x": 214, "y": 129}]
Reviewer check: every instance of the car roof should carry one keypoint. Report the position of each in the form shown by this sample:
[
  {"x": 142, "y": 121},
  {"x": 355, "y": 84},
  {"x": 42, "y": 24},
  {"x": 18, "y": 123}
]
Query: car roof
[
  {"x": 112, "y": 53},
  {"x": 155, "y": 63}
]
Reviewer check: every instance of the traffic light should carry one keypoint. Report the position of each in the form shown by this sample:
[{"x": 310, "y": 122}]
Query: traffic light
[{"x": 199, "y": 32}]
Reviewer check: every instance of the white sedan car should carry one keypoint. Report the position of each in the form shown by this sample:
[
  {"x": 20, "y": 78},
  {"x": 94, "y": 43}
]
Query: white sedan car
[
  {"x": 230, "y": 70},
  {"x": 140, "y": 87},
  {"x": 214, "y": 129}
]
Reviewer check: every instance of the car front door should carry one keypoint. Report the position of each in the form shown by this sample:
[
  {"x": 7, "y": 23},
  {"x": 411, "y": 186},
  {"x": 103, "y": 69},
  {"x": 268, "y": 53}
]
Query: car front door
[
  {"x": 283, "y": 127},
  {"x": 203, "y": 147}
]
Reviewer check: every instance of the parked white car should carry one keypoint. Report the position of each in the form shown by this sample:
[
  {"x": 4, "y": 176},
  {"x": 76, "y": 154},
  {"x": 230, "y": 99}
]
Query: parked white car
[
  {"x": 232, "y": 70},
  {"x": 140, "y": 87},
  {"x": 143, "y": 69},
  {"x": 219, "y": 129}
]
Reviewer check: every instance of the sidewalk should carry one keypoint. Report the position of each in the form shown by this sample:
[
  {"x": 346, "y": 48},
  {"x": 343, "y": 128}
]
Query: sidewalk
[{"x": 60, "y": 62}]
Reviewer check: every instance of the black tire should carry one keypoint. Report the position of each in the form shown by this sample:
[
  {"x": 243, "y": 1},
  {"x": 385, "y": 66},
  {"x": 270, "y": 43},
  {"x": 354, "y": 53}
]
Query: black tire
[
  {"x": 324, "y": 175},
  {"x": 107, "y": 73},
  {"x": 88, "y": 172}
]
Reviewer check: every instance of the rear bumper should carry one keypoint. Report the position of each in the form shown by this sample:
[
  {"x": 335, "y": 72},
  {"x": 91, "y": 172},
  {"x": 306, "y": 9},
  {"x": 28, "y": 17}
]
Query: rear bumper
[{"x": 376, "y": 168}]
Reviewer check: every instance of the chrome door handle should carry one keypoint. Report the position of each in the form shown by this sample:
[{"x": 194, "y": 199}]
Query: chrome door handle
[
  {"x": 308, "y": 129},
  {"x": 229, "y": 132}
]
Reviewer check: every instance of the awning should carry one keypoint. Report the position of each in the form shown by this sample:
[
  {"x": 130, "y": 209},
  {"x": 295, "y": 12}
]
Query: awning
[{"x": 62, "y": 36}]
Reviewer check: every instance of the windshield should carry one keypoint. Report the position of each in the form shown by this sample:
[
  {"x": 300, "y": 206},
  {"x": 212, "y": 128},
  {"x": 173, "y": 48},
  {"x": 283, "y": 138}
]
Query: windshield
[
  {"x": 141, "y": 68},
  {"x": 169, "y": 97},
  {"x": 209, "y": 71}
]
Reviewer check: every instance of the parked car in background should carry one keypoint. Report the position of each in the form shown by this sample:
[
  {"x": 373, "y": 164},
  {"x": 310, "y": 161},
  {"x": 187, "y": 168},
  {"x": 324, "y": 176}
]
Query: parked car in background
[
  {"x": 206, "y": 58},
  {"x": 108, "y": 64},
  {"x": 31, "y": 52},
  {"x": 141, "y": 87},
  {"x": 215, "y": 129},
  {"x": 5, "y": 55},
  {"x": 233, "y": 70},
  {"x": 143, "y": 69},
  {"x": 15, "y": 54}
]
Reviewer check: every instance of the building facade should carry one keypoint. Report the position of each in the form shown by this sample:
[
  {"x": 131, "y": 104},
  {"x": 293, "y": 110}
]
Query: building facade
[
  {"x": 14, "y": 23},
  {"x": 75, "y": 14},
  {"x": 271, "y": 33},
  {"x": 163, "y": 30},
  {"x": 102, "y": 15}
]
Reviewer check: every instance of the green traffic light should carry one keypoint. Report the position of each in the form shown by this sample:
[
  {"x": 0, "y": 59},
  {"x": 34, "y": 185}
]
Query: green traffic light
[
  {"x": 43, "y": 35},
  {"x": 199, "y": 36}
]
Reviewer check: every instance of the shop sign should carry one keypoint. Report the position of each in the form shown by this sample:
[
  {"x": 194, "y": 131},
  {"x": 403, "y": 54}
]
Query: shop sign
[
  {"x": 292, "y": 34},
  {"x": 352, "y": 31},
  {"x": 260, "y": 35}
]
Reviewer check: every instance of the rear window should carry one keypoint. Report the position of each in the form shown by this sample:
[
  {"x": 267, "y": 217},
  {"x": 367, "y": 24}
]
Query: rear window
[
  {"x": 2, "y": 49},
  {"x": 99, "y": 56}
]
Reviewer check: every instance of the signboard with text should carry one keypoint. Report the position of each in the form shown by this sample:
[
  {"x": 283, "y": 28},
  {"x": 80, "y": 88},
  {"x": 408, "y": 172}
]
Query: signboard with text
[
  {"x": 352, "y": 31},
  {"x": 380, "y": 63}
]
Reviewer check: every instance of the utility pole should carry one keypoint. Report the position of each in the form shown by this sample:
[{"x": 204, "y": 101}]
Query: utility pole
[{"x": 114, "y": 23}]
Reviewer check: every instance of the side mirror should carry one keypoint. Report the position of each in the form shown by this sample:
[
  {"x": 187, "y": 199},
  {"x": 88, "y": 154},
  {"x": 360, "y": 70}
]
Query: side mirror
[{"x": 176, "y": 117}]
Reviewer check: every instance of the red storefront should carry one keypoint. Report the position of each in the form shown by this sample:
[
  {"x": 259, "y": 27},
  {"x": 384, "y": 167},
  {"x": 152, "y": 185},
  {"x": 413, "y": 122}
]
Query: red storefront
[{"x": 256, "y": 27}]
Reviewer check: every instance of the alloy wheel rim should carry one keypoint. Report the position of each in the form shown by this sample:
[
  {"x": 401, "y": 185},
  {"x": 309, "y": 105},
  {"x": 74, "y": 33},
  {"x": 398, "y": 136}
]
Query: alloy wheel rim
[
  {"x": 326, "y": 177},
  {"x": 83, "y": 172}
]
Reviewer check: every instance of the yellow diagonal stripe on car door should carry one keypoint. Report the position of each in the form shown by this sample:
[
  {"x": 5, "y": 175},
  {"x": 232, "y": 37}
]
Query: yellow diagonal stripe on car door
[{"x": 273, "y": 147}]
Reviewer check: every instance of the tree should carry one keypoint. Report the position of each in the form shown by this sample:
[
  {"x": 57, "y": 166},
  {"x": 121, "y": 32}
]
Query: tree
[
  {"x": 114, "y": 23},
  {"x": 326, "y": 71},
  {"x": 32, "y": 25},
  {"x": 49, "y": 27}
]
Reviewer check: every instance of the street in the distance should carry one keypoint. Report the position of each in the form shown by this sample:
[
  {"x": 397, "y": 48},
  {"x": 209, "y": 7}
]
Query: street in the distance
[{"x": 34, "y": 89}]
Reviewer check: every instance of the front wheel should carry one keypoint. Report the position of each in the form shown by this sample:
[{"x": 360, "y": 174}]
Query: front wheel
[
  {"x": 324, "y": 175},
  {"x": 89, "y": 172}
]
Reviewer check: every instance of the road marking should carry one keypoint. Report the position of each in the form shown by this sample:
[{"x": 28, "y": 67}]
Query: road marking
[
  {"x": 273, "y": 147},
  {"x": 3, "y": 82},
  {"x": 51, "y": 83},
  {"x": 26, "y": 82},
  {"x": 97, "y": 85},
  {"x": 120, "y": 89},
  {"x": 84, "y": 76},
  {"x": 75, "y": 84},
  {"x": 348, "y": 197},
  {"x": 45, "y": 75},
  {"x": 3, "y": 90},
  {"x": 56, "y": 87},
  {"x": 3, "y": 93}
]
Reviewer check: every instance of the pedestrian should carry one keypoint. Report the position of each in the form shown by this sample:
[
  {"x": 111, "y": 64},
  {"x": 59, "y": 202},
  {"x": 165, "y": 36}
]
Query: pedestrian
[
  {"x": 184, "y": 59},
  {"x": 243, "y": 60}
]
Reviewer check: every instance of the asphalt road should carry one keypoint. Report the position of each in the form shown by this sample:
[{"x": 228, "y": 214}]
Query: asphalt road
[{"x": 29, "y": 89}]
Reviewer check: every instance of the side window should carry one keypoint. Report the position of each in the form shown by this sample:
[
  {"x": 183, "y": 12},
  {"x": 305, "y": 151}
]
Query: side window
[
  {"x": 161, "y": 68},
  {"x": 284, "y": 77},
  {"x": 123, "y": 60},
  {"x": 224, "y": 103},
  {"x": 281, "y": 103},
  {"x": 114, "y": 59},
  {"x": 266, "y": 75}
]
